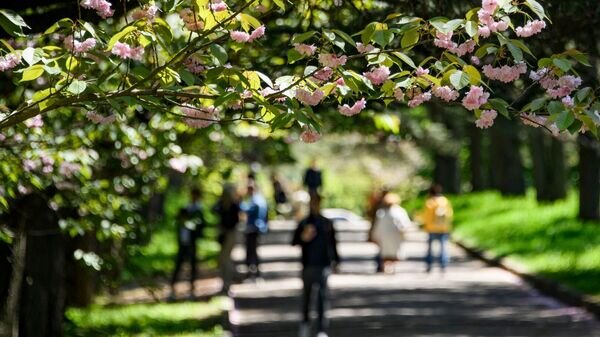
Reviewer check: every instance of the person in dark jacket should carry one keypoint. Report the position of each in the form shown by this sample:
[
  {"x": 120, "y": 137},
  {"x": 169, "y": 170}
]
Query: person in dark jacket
[
  {"x": 257, "y": 223},
  {"x": 228, "y": 210},
  {"x": 316, "y": 236},
  {"x": 190, "y": 225},
  {"x": 313, "y": 179}
]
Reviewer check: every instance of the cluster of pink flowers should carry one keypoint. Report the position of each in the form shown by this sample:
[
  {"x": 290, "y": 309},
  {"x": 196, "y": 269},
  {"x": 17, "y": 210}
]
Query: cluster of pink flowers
[
  {"x": 194, "y": 65},
  {"x": 243, "y": 37},
  {"x": 323, "y": 74},
  {"x": 533, "y": 120},
  {"x": 486, "y": 18},
  {"x": 102, "y": 7},
  {"x": 556, "y": 88},
  {"x": 568, "y": 101},
  {"x": 9, "y": 61},
  {"x": 191, "y": 21},
  {"x": 218, "y": 5},
  {"x": 444, "y": 40},
  {"x": 355, "y": 109},
  {"x": 531, "y": 28},
  {"x": 305, "y": 49},
  {"x": 445, "y": 93},
  {"x": 308, "y": 98},
  {"x": 419, "y": 72},
  {"x": 475, "y": 98},
  {"x": 332, "y": 60},
  {"x": 364, "y": 49},
  {"x": 378, "y": 75},
  {"x": 310, "y": 136},
  {"x": 67, "y": 169},
  {"x": 125, "y": 51},
  {"x": 35, "y": 122},
  {"x": 79, "y": 47},
  {"x": 419, "y": 98},
  {"x": 97, "y": 118},
  {"x": 200, "y": 117},
  {"x": 30, "y": 165},
  {"x": 475, "y": 60},
  {"x": 486, "y": 120},
  {"x": 47, "y": 163},
  {"x": 145, "y": 13},
  {"x": 505, "y": 74}
]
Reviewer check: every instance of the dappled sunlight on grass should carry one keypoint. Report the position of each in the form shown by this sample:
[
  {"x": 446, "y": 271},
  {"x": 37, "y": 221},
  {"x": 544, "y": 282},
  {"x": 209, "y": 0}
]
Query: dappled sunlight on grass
[
  {"x": 141, "y": 320},
  {"x": 547, "y": 238}
]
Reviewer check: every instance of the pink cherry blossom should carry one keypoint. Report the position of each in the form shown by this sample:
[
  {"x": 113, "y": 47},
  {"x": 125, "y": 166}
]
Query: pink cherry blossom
[
  {"x": 178, "y": 164},
  {"x": 323, "y": 74},
  {"x": 30, "y": 165},
  {"x": 489, "y": 6},
  {"x": 340, "y": 81},
  {"x": 35, "y": 122},
  {"x": 305, "y": 49},
  {"x": 419, "y": 99},
  {"x": 9, "y": 61},
  {"x": 364, "y": 49},
  {"x": 79, "y": 47},
  {"x": 200, "y": 117},
  {"x": 125, "y": 51},
  {"x": 464, "y": 48},
  {"x": 378, "y": 75},
  {"x": 531, "y": 28},
  {"x": 475, "y": 60},
  {"x": 145, "y": 13},
  {"x": 505, "y": 74},
  {"x": 102, "y": 7},
  {"x": 218, "y": 6},
  {"x": 475, "y": 98},
  {"x": 257, "y": 33},
  {"x": 421, "y": 72},
  {"x": 99, "y": 119},
  {"x": 239, "y": 36},
  {"x": 191, "y": 21},
  {"x": 310, "y": 136},
  {"x": 558, "y": 88},
  {"x": 67, "y": 169},
  {"x": 194, "y": 65},
  {"x": 445, "y": 93},
  {"x": 486, "y": 120},
  {"x": 308, "y": 98},
  {"x": 349, "y": 111},
  {"x": 332, "y": 60},
  {"x": 399, "y": 94},
  {"x": 568, "y": 101},
  {"x": 484, "y": 31},
  {"x": 444, "y": 40}
]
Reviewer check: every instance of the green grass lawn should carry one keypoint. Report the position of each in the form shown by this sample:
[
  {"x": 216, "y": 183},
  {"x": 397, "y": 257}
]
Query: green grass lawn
[
  {"x": 548, "y": 239},
  {"x": 190, "y": 319}
]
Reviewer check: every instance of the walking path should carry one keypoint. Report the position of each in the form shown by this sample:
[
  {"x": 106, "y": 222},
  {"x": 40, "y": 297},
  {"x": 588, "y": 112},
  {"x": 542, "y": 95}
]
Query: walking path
[{"x": 470, "y": 300}]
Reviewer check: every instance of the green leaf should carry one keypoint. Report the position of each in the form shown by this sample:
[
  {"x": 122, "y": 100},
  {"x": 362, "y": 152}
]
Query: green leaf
[
  {"x": 516, "y": 52},
  {"x": 32, "y": 73},
  {"x": 293, "y": 55},
  {"x": 12, "y": 23},
  {"x": 118, "y": 36},
  {"x": 536, "y": 104},
  {"x": 187, "y": 77},
  {"x": 219, "y": 53},
  {"x": 344, "y": 37},
  {"x": 59, "y": 25},
  {"x": 299, "y": 38},
  {"x": 405, "y": 59},
  {"x": 472, "y": 28},
  {"x": 383, "y": 37},
  {"x": 367, "y": 33},
  {"x": 536, "y": 8},
  {"x": 474, "y": 75},
  {"x": 500, "y": 105},
  {"x": 77, "y": 87},
  {"x": 564, "y": 120},
  {"x": 459, "y": 80},
  {"x": 410, "y": 38},
  {"x": 32, "y": 55},
  {"x": 562, "y": 64}
]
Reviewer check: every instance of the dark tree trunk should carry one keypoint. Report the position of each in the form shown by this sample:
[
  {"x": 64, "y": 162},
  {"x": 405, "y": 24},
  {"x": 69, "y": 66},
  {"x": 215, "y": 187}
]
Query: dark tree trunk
[
  {"x": 447, "y": 173},
  {"x": 80, "y": 279},
  {"x": 549, "y": 171},
  {"x": 589, "y": 178},
  {"x": 505, "y": 161},
  {"x": 476, "y": 160},
  {"x": 42, "y": 294}
]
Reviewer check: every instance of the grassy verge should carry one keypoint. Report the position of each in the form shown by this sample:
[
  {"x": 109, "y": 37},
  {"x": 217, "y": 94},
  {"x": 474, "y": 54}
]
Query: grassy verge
[
  {"x": 190, "y": 319},
  {"x": 548, "y": 239}
]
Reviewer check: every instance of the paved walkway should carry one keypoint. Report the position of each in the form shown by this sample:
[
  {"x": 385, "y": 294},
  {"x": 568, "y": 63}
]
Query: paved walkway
[{"x": 470, "y": 300}]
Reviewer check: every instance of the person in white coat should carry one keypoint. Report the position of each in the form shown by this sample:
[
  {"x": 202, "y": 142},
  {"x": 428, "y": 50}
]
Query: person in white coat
[{"x": 390, "y": 223}]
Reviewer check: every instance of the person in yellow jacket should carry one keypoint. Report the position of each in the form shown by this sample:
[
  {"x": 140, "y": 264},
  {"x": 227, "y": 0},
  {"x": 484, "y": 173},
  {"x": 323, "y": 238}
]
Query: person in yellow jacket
[{"x": 437, "y": 221}]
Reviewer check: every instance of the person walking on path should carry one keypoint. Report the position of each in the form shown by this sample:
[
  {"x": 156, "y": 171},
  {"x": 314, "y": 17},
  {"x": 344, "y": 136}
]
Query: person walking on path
[
  {"x": 313, "y": 178},
  {"x": 374, "y": 203},
  {"x": 228, "y": 211},
  {"x": 390, "y": 222},
  {"x": 255, "y": 209},
  {"x": 190, "y": 225},
  {"x": 437, "y": 220},
  {"x": 316, "y": 235},
  {"x": 280, "y": 196}
]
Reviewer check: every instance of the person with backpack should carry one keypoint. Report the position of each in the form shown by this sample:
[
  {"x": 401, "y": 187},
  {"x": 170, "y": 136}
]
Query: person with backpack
[
  {"x": 228, "y": 210},
  {"x": 256, "y": 211},
  {"x": 316, "y": 236},
  {"x": 190, "y": 225},
  {"x": 437, "y": 220}
]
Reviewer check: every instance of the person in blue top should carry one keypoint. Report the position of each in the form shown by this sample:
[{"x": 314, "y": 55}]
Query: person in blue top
[{"x": 255, "y": 208}]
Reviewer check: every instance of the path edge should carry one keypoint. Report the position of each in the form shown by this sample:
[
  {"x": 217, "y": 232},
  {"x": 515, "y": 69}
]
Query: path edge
[{"x": 544, "y": 285}]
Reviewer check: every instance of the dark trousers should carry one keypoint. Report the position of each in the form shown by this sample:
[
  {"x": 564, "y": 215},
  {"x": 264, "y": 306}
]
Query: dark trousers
[
  {"x": 315, "y": 277},
  {"x": 185, "y": 253},
  {"x": 252, "y": 260}
]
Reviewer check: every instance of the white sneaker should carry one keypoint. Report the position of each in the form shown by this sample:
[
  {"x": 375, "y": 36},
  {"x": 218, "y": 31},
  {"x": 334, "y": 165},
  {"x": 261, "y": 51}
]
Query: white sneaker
[
  {"x": 304, "y": 330},
  {"x": 322, "y": 334}
]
